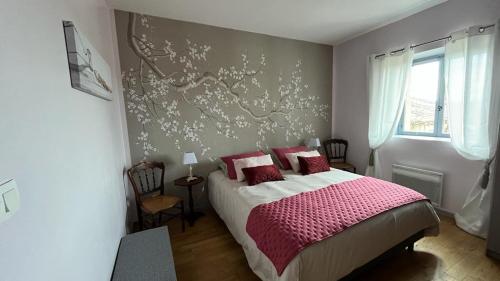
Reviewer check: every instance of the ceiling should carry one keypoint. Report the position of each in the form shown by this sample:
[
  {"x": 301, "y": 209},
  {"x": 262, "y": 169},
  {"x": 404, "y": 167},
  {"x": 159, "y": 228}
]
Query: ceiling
[{"x": 321, "y": 21}]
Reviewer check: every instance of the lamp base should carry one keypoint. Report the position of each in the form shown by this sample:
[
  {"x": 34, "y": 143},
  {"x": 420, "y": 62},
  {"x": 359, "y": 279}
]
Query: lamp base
[{"x": 191, "y": 178}]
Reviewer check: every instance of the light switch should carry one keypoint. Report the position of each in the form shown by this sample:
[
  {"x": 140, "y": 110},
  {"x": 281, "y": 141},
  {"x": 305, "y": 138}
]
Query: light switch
[{"x": 9, "y": 200}]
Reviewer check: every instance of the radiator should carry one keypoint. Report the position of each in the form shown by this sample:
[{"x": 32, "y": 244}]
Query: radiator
[{"x": 429, "y": 183}]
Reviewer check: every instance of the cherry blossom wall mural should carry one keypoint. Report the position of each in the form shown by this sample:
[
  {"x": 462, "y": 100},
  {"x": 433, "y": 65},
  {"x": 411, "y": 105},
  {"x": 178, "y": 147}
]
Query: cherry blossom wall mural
[{"x": 215, "y": 91}]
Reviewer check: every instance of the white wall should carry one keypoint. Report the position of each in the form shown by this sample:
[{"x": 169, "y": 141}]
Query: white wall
[
  {"x": 351, "y": 99},
  {"x": 65, "y": 148}
]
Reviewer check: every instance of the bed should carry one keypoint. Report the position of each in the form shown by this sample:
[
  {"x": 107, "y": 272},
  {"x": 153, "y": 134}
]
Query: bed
[{"x": 329, "y": 259}]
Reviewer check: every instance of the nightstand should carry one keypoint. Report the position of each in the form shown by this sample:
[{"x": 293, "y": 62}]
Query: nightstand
[{"x": 192, "y": 216}]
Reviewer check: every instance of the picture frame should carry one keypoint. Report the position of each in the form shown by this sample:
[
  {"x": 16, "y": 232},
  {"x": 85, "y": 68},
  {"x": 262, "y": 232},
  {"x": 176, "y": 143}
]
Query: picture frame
[{"x": 89, "y": 72}]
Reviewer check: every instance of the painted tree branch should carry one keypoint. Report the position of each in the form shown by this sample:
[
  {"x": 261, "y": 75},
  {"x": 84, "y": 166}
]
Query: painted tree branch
[
  {"x": 132, "y": 40},
  {"x": 153, "y": 94}
]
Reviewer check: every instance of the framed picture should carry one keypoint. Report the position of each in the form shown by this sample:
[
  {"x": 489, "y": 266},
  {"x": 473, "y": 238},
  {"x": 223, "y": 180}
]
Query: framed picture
[{"x": 89, "y": 72}]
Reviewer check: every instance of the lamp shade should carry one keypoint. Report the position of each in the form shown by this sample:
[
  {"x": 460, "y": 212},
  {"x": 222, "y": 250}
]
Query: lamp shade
[
  {"x": 314, "y": 142},
  {"x": 189, "y": 158}
]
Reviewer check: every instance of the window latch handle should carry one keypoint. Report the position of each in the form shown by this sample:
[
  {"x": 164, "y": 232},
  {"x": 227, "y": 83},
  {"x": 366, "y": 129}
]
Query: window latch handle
[{"x": 439, "y": 107}]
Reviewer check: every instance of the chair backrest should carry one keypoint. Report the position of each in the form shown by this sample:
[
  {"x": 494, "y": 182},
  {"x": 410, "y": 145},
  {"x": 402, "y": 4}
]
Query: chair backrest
[
  {"x": 336, "y": 149},
  {"x": 147, "y": 178}
]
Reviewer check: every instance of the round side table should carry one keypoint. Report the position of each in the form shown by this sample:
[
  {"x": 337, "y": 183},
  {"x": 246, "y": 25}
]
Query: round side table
[{"x": 192, "y": 216}]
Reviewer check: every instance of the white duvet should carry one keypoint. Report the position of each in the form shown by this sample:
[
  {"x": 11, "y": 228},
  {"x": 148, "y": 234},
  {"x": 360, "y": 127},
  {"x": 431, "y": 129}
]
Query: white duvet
[{"x": 331, "y": 258}]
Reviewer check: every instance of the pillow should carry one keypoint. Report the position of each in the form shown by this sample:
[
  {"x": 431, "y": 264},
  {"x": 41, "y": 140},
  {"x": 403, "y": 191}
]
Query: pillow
[
  {"x": 250, "y": 162},
  {"x": 281, "y": 152},
  {"x": 259, "y": 174},
  {"x": 294, "y": 162},
  {"x": 231, "y": 172},
  {"x": 314, "y": 164},
  {"x": 223, "y": 167}
]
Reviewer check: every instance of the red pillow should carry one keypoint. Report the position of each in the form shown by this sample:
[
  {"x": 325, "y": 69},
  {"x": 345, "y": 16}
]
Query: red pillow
[
  {"x": 256, "y": 175},
  {"x": 231, "y": 171},
  {"x": 312, "y": 165},
  {"x": 281, "y": 151}
]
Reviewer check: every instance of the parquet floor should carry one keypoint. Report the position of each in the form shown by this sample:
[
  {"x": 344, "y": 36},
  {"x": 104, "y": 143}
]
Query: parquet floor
[{"x": 207, "y": 252}]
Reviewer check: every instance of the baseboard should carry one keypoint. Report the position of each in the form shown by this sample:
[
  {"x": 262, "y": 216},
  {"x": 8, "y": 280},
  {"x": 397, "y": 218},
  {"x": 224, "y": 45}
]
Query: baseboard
[
  {"x": 493, "y": 254},
  {"x": 444, "y": 213}
]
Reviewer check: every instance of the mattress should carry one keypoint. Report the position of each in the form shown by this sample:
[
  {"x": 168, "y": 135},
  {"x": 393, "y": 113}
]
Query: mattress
[{"x": 332, "y": 258}]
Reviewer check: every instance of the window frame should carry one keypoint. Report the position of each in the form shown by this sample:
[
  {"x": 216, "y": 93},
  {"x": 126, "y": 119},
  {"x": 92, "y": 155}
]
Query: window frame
[{"x": 439, "y": 106}]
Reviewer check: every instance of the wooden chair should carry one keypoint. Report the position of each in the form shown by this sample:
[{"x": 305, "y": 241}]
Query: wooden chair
[
  {"x": 336, "y": 153},
  {"x": 147, "y": 179}
]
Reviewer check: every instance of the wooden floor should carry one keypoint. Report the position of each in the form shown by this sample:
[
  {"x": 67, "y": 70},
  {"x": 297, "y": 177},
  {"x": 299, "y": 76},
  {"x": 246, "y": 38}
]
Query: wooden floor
[{"x": 207, "y": 251}]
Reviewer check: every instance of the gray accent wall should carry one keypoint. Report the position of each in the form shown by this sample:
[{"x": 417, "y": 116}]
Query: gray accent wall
[{"x": 217, "y": 91}]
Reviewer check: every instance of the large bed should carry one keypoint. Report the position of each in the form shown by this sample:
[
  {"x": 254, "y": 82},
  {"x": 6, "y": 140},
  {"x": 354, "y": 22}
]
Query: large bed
[{"x": 331, "y": 258}]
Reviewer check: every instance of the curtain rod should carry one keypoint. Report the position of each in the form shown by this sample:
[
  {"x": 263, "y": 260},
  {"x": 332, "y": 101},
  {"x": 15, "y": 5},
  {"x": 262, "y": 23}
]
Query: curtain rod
[{"x": 481, "y": 29}]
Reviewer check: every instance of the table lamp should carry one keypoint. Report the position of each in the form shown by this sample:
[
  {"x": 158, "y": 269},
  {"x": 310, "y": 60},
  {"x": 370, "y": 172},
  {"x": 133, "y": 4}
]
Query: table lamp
[
  {"x": 190, "y": 159},
  {"x": 314, "y": 143}
]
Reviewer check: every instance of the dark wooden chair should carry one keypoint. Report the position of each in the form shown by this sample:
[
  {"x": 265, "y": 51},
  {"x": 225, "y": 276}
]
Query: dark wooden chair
[
  {"x": 336, "y": 153},
  {"x": 147, "y": 179}
]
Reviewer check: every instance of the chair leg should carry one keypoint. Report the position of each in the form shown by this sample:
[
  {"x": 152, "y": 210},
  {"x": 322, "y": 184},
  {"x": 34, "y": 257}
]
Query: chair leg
[
  {"x": 355, "y": 170},
  {"x": 141, "y": 219},
  {"x": 182, "y": 216},
  {"x": 159, "y": 219}
]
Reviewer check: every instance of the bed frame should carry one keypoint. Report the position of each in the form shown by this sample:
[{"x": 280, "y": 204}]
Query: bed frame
[{"x": 407, "y": 245}]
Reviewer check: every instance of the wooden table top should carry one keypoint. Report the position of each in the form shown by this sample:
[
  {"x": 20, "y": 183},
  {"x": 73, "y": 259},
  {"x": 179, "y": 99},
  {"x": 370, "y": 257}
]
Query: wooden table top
[{"x": 183, "y": 181}]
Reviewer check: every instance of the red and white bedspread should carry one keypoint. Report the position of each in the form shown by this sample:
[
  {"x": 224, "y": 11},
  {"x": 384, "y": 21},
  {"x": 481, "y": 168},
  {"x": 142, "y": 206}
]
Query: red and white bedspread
[
  {"x": 281, "y": 229},
  {"x": 334, "y": 256}
]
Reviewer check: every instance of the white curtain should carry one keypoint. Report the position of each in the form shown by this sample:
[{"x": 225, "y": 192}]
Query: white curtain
[
  {"x": 388, "y": 80},
  {"x": 473, "y": 103}
]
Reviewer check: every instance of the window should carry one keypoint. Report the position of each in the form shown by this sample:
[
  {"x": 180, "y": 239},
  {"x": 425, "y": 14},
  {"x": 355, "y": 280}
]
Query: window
[{"x": 425, "y": 112}]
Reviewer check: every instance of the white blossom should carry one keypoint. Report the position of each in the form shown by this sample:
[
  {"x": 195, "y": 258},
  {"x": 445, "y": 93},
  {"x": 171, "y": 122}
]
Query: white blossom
[{"x": 189, "y": 101}]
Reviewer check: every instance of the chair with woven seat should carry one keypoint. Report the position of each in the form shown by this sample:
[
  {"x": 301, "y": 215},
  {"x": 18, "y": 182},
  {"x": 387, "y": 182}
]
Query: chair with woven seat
[
  {"x": 336, "y": 153},
  {"x": 147, "y": 179}
]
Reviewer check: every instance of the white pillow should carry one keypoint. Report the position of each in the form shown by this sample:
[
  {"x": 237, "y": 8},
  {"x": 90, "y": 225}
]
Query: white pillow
[
  {"x": 250, "y": 162},
  {"x": 294, "y": 161},
  {"x": 223, "y": 167}
]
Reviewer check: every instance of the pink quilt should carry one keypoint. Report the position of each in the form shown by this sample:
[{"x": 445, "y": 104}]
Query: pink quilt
[{"x": 281, "y": 229}]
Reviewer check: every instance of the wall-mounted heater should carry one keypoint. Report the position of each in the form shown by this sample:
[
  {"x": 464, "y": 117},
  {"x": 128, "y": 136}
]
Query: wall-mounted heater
[{"x": 429, "y": 183}]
